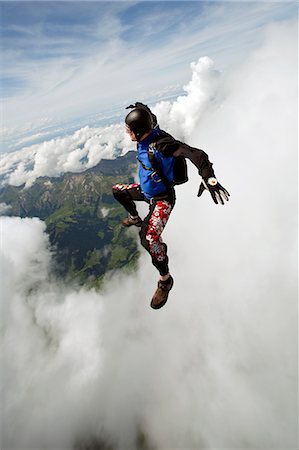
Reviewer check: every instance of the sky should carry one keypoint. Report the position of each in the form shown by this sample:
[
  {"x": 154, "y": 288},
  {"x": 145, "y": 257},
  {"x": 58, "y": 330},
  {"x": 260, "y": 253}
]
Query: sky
[
  {"x": 65, "y": 60},
  {"x": 217, "y": 366}
]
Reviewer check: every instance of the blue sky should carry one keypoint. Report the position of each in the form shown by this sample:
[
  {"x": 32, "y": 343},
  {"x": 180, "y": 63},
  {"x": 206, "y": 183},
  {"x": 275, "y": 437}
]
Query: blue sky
[{"x": 66, "y": 59}]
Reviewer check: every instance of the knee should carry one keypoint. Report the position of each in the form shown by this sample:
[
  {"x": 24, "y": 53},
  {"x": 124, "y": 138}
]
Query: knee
[
  {"x": 151, "y": 241},
  {"x": 116, "y": 190},
  {"x": 157, "y": 248}
]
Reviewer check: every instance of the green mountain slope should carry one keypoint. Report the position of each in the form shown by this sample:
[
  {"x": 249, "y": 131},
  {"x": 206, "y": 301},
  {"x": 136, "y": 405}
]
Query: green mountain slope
[{"x": 82, "y": 218}]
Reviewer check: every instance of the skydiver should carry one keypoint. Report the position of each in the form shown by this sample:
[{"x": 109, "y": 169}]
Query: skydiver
[{"x": 162, "y": 165}]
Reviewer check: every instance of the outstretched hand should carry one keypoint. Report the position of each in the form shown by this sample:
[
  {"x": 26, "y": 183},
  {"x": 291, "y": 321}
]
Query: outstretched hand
[{"x": 218, "y": 192}]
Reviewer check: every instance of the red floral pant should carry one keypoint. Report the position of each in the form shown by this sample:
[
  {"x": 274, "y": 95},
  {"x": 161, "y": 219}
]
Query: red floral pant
[{"x": 154, "y": 223}]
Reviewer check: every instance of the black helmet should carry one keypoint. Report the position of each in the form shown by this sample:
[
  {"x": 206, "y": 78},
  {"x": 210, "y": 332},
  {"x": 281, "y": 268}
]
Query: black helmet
[{"x": 139, "y": 121}]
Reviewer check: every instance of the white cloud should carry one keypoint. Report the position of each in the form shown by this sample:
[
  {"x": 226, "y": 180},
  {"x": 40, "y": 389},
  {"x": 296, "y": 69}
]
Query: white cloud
[
  {"x": 45, "y": 331},
  {"x": 74, "y": 153},
  {"x": 216, "y": 367},
  {"x": 181, "y": 116}
]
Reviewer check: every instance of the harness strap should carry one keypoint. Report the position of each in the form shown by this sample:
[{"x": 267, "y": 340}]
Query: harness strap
[
  {"x": 155, "y": 165},
  {"x": 144, "y": 166}
]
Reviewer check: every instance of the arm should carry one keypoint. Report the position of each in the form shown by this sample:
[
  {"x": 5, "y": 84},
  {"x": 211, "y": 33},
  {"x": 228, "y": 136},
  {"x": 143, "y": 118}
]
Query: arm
[
  {"x": 198, "y": 157},
  {"x": 171, "y": 147}
]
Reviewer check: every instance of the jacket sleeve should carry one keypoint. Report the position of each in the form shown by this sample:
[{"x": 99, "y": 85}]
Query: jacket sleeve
[{"x": 169, "y": 146}]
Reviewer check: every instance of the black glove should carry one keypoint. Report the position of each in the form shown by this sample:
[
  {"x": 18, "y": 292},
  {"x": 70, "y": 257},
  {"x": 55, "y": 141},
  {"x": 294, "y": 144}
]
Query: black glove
[
  {"x": 142, "y": 105},
  {"x": 218, "y": 192}
]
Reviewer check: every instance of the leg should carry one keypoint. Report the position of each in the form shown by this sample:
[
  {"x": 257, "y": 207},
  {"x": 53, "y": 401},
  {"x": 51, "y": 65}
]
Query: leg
[
  {"x": 150, "y": 234},
  {"x": 125, "y": 194}
]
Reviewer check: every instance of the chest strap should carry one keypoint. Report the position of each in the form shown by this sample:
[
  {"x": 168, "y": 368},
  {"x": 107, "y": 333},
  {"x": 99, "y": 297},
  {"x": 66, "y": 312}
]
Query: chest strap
[
  {"x": 144, "y": 166},
  {"x": 155, "y": 165}
]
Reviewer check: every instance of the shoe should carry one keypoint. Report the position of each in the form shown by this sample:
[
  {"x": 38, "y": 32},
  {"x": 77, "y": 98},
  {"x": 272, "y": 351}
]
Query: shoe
[
  {"x": 129, "y": 221},
  {"x": 161, "y": 295}
]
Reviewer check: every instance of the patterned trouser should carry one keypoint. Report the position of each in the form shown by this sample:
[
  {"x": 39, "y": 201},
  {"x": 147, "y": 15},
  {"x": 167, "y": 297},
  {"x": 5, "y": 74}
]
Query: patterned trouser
[{"x": 153, "y": 224}]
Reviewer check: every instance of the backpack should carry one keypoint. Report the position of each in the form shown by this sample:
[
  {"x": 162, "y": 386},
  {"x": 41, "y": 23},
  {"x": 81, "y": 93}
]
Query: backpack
[
  {"x": 180, "y": 170},
  {"x": 180, "y": 174}
]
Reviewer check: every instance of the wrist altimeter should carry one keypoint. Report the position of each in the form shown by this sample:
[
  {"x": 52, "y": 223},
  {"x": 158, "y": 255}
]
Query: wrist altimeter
[{"x": 212, "y": 181}]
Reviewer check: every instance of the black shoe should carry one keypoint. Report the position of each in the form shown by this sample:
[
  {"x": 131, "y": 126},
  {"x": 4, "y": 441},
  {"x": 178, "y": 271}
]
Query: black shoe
[
  {"x": 129, "y": 221},
  {"x": 161, "y": 295}
]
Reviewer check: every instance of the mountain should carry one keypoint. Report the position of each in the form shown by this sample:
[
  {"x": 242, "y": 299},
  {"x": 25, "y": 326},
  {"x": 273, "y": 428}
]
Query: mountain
[{"x": 82, "y": 218}]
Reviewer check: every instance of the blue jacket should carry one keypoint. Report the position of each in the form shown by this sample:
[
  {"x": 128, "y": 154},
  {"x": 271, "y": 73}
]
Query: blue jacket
[{"x": 150, "y": 182}]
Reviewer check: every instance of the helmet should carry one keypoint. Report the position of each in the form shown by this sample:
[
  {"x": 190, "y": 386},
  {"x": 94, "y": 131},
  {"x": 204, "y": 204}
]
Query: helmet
[{"x": 139, "y": 121}]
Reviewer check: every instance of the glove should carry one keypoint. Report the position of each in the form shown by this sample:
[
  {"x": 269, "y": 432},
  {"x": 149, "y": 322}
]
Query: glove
[{"x": 218, "y": 192}]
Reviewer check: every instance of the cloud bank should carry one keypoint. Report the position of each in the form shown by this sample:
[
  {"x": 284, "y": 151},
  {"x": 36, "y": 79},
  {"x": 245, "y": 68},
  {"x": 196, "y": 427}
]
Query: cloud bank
[
  {"x": 74, "y": 153},
  {"x": 217, "y": 366},
  {"x": 87, "y": 146}
]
